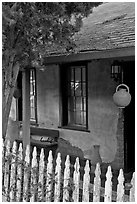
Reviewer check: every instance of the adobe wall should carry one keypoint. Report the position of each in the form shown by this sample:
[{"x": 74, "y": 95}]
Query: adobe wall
[
  {"x": 102, "y": 113},
  {"x": 103, "y": 116},
  {"x": 48, "y": 97}
]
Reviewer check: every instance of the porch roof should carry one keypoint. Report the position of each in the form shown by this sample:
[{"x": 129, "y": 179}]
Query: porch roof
[{"x": 111, "y": 26}]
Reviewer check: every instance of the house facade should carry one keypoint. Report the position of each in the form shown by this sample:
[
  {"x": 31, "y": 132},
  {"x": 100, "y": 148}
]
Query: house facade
[{"x": 73, "y": 93}]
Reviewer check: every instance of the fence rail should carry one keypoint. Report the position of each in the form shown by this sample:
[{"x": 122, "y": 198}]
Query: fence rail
[{"x": 29, "y": 177}]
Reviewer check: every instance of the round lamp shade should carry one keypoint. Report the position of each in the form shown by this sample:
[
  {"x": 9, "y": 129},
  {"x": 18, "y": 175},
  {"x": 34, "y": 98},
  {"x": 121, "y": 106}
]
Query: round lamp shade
[{"x": 122, "y": 96}]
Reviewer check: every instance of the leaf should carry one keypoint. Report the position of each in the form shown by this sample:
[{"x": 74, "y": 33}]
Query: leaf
[{"x": 31, "y": 29}]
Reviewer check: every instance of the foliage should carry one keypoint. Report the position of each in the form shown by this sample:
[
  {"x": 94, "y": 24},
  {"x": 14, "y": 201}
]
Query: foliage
[
  {"x": 28, "y": 29},
  {"x": 28, "y": 26},
  {"x": 33, "y": 173}
]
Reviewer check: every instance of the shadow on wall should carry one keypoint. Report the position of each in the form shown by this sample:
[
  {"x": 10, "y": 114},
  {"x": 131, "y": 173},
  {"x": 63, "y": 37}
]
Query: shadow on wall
[{"x": 65, "y": 148}]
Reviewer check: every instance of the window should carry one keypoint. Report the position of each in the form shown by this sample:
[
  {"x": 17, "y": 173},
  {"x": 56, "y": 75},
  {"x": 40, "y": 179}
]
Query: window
[
  {"x": 74, "y": 96},
  {"x": 33, "y": 101},
  {"x": 33, "y": 107}
]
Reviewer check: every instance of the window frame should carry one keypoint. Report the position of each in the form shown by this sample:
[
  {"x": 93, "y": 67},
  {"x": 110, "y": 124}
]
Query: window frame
[
  {"x": 64, "y": 72},
  {"x": 35, "y": 120},
  {"x": 19, "y": 105}
]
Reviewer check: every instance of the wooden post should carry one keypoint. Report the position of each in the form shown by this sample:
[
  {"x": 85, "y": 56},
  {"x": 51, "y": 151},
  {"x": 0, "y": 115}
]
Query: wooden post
[{"x": 26, "y": 108}]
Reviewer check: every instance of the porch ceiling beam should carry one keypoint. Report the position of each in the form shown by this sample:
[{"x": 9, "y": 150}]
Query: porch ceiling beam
[{"x": 91, "y": 55}]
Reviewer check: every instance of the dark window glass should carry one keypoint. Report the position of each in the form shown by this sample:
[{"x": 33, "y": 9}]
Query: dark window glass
[
  {"x": 32, "y": 95},
  {"x": 74, "y": 96},
  {"x": 33, "y": 102}
]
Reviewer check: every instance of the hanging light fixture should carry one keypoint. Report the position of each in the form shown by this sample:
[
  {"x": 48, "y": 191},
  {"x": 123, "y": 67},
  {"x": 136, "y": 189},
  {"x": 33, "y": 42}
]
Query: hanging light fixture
[
  {"x": 122, "y": 96},
  {"x": 116, "y": 71}
]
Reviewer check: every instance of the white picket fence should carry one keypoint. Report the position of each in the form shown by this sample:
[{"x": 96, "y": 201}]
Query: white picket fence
[{"x": 31, "y": 178}]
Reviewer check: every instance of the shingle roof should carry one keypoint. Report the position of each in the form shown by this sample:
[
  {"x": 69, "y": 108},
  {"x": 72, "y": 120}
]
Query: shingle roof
[{"x": 110, "y": 26}]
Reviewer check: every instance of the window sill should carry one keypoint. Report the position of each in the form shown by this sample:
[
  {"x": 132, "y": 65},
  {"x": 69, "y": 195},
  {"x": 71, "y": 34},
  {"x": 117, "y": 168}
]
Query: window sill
[
  {"x": 31, "y": 124},
  {"x": 74, "y": 128}
]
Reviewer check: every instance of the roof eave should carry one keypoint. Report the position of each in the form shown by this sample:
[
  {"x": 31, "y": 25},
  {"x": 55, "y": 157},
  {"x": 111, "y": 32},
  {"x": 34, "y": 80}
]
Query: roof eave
[{"x": 90, "y": 55}]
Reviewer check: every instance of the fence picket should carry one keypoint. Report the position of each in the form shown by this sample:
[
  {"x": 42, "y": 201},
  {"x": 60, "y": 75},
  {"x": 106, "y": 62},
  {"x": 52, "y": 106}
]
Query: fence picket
[
  {"x": 97, "y": 184},
  {"x": 41, "y": 176},
  {"x": 86, "y": 182},
  {"x": 19, "y": 172},
  {"x": 13, "y": 172},
  {"x": 76, "y": 178},
  {"x": 132, "y": 190},
  {"x": 6, "y": 174},
  {"x": 66, "y": 180},
  {"x": 24, "y": 181},
  {"x": 57, "y": 178},
  {"x": 108, "y": 186},
  {"x": 49, "y": 177},
  {"x": 120, "y": 187},
  {"x": 26, "y": 175},
  {"x": 34, "y": 167}
]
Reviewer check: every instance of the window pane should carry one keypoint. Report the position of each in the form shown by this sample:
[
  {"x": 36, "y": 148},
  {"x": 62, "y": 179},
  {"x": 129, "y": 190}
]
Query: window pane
[
  {"x": 71, "y": 117},
  {"x": 78, "y": 103},
  {"x": 32, "y": 113},
  {"x": 84, "y": 74},
  {"x": 76, "y": 96},
  {"x": 84, "y": 103},
  {"x": 84, "y": 118},
  {"x": 72, "y": 74},
  {"x": 71, "y": 103},
  {"x": 77, "y": 75},
  {"x": 72, "y": 88},
  {"x": 78, "y": 118},
  {"x": 32, "y": 95},
  {"x": 83, "y": 89},
  {"x": 77, "y": 89}
]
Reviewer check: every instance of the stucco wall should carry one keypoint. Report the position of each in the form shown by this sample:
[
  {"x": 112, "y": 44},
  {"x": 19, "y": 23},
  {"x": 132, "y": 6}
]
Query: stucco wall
[
  {"x": 48, "y": 97},
  {"x": 105, "y": 123},
  {"x": 102, "y": 113}
]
